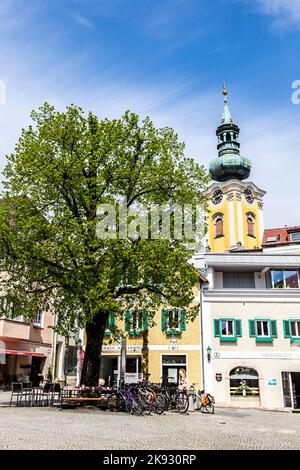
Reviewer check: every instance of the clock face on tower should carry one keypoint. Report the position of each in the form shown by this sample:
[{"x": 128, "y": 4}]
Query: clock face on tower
[
  {"x": 249, "y": 195},
  {"x": 217, "y": 196}
]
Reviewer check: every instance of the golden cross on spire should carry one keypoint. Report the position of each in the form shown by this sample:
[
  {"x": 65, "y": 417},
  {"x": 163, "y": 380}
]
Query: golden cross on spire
[{"x": 225, "y": 92}]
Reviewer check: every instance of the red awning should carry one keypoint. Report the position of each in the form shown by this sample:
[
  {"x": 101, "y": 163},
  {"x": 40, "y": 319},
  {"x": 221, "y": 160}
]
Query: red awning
[{"x": 14, "y": 352}]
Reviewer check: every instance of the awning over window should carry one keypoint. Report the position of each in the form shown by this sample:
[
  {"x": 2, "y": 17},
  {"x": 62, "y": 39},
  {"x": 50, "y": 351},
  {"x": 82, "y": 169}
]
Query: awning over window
[{"x": 15, "y": 352}]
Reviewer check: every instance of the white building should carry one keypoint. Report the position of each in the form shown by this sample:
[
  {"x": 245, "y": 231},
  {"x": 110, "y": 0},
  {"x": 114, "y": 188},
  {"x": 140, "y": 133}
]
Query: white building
[{"x": 251, "y": 327}]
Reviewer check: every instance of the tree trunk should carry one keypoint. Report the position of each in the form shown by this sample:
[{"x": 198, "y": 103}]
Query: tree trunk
[
  {"x": 94, "y": 339},
  {"x": 145, "y": 355}
]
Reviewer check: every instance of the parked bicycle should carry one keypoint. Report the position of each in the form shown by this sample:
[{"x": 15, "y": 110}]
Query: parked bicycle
[{"x": 202, "y": 401}]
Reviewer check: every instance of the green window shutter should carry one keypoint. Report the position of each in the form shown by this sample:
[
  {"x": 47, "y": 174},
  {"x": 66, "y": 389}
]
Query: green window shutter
[
  {"x": 112, "y": 321},
  {"x": 182, "y": 324},
  {"x": 127, "y": 320},
  {"x": 287, "y": 328},
  {"x": 145, "y": 321},
  {"x": 273, "y": 328},
  {"x": 107, "y": 326},
  {"x": 238, "y": 328},
  {"x": 217, "y": 328},
  {"x": 252, "y": 328},
  {"x": 163, "y": 319}
]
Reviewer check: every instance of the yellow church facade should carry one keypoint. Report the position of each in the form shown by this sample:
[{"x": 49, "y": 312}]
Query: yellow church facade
[{"x": 235, "y": 217}]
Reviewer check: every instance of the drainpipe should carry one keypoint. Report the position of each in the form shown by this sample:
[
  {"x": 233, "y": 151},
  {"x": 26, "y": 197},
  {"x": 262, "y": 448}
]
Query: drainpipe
[
  {"x": 53, "y": 352},
  {"x": 202, "y": 361}
]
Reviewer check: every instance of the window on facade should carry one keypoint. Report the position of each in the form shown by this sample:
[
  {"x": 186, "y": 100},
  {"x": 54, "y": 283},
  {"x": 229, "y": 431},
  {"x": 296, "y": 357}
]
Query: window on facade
[
  {"x": 219, "y": 225},
  {"x": 238, "y": 280},
  {"x": 136, "y": 322},
  {"x": 110, "y": 324},
  {"x": 295, "y": 237},
  {"x": 285, "y": 279},
  {"x": 291, "y": 329},
  {"x": 37, "y": 322},
  {"x": 263, "y": 329},
  {"x": 295, "y": 328},
  {"x": 228, "y": 329},
  {"x": 173, "y": 320},
  {"x": 251, "y": 225},
  {"x": 244, "y": 382}
]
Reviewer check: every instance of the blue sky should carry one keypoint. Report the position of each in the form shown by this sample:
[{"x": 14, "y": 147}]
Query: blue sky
[{"x": 167, "y": 59}]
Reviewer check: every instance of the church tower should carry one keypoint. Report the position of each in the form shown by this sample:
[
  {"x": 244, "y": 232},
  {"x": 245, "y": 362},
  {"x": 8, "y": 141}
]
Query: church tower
[{"x": 235, "y": 219}]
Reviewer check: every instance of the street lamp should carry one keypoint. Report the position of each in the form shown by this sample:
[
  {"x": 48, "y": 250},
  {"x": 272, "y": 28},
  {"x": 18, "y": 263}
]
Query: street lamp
[{"x": 208, "y": 350}]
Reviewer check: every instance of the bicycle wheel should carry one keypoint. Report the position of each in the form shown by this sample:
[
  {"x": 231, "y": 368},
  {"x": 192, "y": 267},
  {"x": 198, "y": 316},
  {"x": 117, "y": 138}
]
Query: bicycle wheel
[
  {"x": 160, "y": 404},
  {"x": 137, "y": 407},
  {"x": 210, "y": 408},
  {"x": 116, "y": 403},
  {"x": 182, "y": 402},
  {"x": 146, "y": 403}
]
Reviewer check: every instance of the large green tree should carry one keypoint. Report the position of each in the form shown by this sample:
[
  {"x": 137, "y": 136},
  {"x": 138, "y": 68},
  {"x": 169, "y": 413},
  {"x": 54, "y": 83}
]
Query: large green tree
[{"x": 64, "y": 167}]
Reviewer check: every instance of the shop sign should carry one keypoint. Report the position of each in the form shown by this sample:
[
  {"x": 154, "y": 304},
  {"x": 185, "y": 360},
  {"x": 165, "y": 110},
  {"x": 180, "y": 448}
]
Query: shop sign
[
  {"x": 219, "y": 377},
  {"x": 272, "y": 382}
]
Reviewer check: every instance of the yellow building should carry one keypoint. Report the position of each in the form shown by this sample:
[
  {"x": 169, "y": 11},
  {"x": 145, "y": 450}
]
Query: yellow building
[
  {"x": 235, "y": 219},
  {"x": 174, "y": 344}
]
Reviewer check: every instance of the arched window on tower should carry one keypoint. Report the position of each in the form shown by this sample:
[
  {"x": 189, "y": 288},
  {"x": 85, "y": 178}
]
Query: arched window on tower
[
  {"x": 250, "y": 224},
  {"x": 219, "y": 224},
  {"x": 228, "y": 137}
]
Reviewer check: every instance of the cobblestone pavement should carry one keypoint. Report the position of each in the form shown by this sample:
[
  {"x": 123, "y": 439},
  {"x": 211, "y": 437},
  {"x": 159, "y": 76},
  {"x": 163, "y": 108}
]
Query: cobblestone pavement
[{"x": 50, "y": 428}]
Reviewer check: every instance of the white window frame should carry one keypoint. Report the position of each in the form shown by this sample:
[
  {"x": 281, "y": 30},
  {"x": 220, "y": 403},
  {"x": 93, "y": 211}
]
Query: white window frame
[
  {"x": 36, "y": 323},
  {"x": 173, "y": 311},
  {"x": 226, "y": 335},
  {"x": 268, "y": 335},
  {"x": 137, "y": 327},
  {"x": 297, "y": 327}
]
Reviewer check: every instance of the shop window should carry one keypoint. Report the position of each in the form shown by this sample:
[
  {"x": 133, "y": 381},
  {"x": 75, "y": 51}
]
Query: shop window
[
  {"x": 136, "y": 322},
  {"x": 291, "y": 329},
  {"x": 285, "y": 279},
  {"x": 173, "y": 320},
  {"x": 227, "y": 329},
  {"x": 264, "y": 330},
  {"x": 171, "y": 367},
  {"x": 71, "y": 360},
  {"x": 244, "y": 382}
]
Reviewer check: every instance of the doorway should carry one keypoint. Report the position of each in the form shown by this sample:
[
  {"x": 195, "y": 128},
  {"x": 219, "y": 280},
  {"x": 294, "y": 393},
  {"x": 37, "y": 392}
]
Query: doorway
[
  {"x": 171, "y": 364},
  {"x": 109, "y": 370},
  {"x": 291, "y": 389}
]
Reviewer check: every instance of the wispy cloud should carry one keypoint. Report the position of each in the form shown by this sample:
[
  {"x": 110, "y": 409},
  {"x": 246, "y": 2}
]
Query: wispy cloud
[
  {"x": 285, "y": 13},
  {"x": 83, "y": 21}
]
